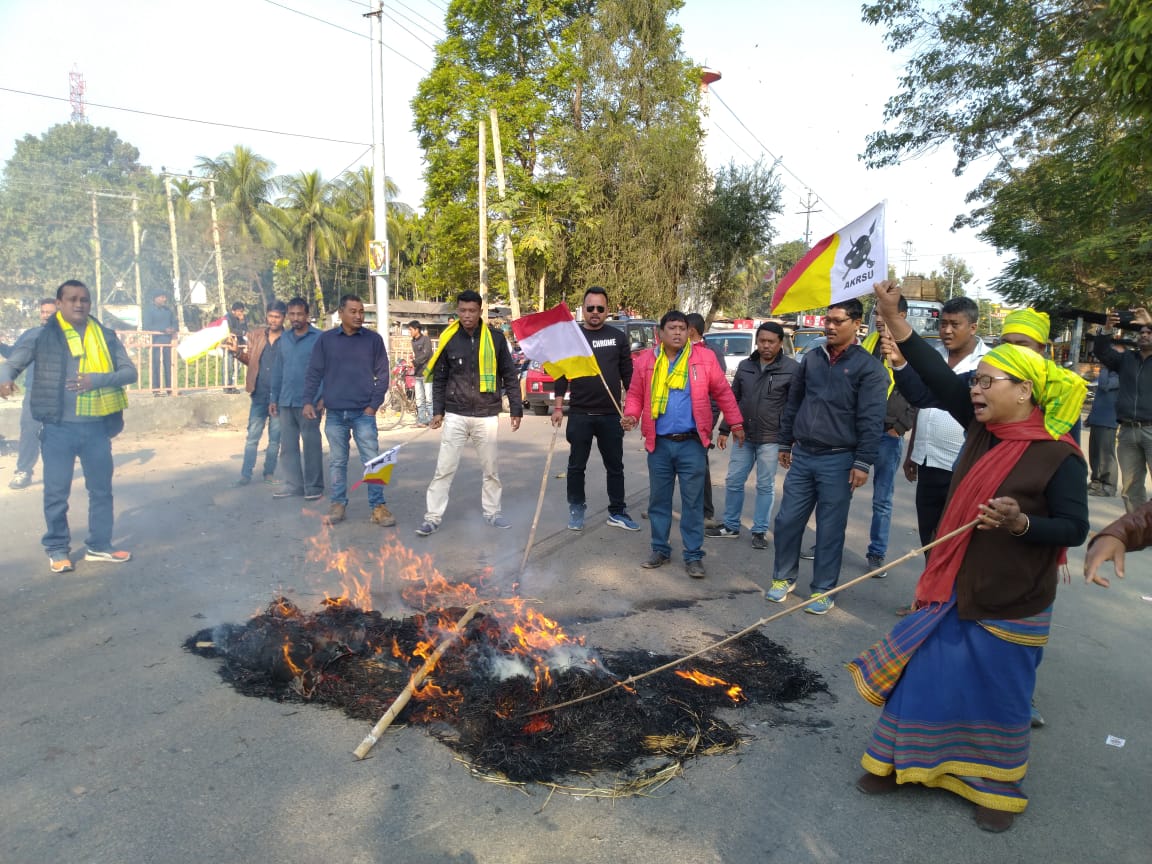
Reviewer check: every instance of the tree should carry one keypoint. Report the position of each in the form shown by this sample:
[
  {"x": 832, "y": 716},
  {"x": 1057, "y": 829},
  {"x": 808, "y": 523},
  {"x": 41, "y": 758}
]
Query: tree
[
  {"x": 734, "y": 225},
  {"x": 312, "y": 225},
  {"x": 1052, "y": 92},
  {"x": 954, "y": 274}
]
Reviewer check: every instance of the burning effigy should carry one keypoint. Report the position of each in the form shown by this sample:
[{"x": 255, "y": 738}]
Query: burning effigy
[{"x": 517, "y": 697}]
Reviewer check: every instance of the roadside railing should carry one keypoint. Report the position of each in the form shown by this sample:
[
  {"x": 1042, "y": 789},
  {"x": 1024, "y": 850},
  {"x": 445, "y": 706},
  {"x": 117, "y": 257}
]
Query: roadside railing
[{"x": 162, "y": 370}]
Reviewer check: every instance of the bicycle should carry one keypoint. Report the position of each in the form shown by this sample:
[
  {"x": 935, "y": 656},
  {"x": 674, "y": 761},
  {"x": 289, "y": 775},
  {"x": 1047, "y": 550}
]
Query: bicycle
[{"x": 400, "y": 398}]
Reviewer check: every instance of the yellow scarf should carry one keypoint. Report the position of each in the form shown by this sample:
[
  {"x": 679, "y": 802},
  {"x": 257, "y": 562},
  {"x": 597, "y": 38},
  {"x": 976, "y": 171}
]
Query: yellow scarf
[
  {"x": 869, "y": 345},
  {"x": 94, "y": 358},
  {"x": 1059, "y": 392},
  {"x": 665, "y": 379},
  {"x": 487, "y": 355}
]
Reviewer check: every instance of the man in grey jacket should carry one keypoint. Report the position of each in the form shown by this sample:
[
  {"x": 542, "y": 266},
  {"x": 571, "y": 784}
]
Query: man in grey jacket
[{"x": 761, "y": 385}]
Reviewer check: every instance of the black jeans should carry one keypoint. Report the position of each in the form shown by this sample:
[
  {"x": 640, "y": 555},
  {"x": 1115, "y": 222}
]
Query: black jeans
[
  {"x": 609, "y": 435},
  {"x": 931, "y": 495}
]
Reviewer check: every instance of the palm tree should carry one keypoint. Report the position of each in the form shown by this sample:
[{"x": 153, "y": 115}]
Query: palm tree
[
  {"x": 355, "y": 200},
  {"x": 244, "y": 190},
  {"x": 307, "y": 218}
]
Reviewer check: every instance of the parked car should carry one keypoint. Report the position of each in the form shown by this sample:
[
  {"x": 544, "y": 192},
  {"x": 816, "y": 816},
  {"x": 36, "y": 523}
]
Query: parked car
[
  {"x": 539, "y": 386},
  {"x": 737, "y": 345}
]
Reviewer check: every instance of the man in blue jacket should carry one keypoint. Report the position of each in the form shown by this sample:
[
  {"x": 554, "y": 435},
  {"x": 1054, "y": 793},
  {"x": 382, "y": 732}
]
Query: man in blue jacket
[{"x": 829, "y": 438}]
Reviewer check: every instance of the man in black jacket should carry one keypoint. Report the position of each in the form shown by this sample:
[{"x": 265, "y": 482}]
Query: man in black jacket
[
  {"x": 78, "y": 394},
  {"x": 594, "y": 413},
  {"x": 421, "y": 354},
  {"x": 1133, "y": 406},
  {"x": 469, "y": 369},
  {"x": 761, "y": 385},
  {"x": 829, "y": 438}
]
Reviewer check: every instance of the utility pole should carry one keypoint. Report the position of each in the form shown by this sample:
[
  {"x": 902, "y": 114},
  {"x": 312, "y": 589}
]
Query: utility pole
[
  {"x": 96, "y": 251},
  {"x": 136, "y": 255},
  {"x": 908, "y": 259},
  {"x": 808, "y": 211},
  {"x": 378, "y": 288},
  {"x": 482, "y": 208},
  {"x": 175, "y": 253},
  {"x": 509, "y": 257},
  {"x": 216, "y": 245}
]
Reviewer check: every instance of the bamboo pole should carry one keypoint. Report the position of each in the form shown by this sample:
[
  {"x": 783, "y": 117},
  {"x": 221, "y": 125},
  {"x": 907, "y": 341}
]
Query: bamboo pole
[
  {"x": 406, "y": 694},
  {"x": 540, "y": 499},
  {"x": 632, "y": 679}
]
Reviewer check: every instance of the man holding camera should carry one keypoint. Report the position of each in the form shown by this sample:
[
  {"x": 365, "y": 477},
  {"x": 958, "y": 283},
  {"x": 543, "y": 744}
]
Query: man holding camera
[{"x": 1133, "y": 404}]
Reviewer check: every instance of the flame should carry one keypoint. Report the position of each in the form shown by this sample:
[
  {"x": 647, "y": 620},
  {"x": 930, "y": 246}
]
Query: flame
[
  {"x": 292, "y": 667},
  {"x": 539, "y": 723},
  {"x": 733, "y": 691}
]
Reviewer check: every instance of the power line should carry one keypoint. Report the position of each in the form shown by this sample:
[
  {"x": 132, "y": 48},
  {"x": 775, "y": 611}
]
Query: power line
[
  {"x": 188, "y": 119},
  {"x": 385, "y": 13},
  {"x": 764, "y": 147},
  {"x": 346, "y": 30},
  {"x": 436, "y": 24}
]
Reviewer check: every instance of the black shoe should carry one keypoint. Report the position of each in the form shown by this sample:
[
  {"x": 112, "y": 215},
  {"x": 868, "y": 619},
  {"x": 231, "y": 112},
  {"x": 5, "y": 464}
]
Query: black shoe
[
  {"x": 759, "y": 541},
  {"x": 722, "y": 531},
  {"x": 20, "y": 480},
  {"x": 656, "y": 559},
  {"x": 810, "y": 555},
  {"x": 288, "y": 493},
  {"x": 695, "y": 569},
  {"x": 875, "y": 562}
]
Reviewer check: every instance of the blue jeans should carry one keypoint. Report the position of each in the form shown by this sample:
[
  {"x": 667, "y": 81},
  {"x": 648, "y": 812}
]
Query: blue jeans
[
  {"x": 740, "y": 461},
  {"x": 883, "y": 484},
  {"x": 820, "y": 482},
  {"x": 423, "y": 391},
  {"x": 686, "y": 460},
  {"x": 295, "y": 429},
  {"x": 29, "y": 448},
  {"x": 257, "y": 417},
  {"x": 61, "y": 443},
  {"x": 362, "y": 428}
]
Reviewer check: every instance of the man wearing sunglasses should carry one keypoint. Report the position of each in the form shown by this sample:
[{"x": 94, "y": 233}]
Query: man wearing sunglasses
[
  {"x": 829, "y": 439},
  {"x": 594, "y": 414},
  {"x": 1133, "y": 404}
]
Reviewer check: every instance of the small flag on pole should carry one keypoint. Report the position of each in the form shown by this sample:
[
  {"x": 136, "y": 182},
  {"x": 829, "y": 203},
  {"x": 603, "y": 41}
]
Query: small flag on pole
[
  {"x": 841, "y": 266},
  {"x": 554, "y": 339},
  {"x": 378, "y": 471}
]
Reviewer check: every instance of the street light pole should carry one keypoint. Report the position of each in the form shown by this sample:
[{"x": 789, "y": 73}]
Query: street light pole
[{"x": 379, "y": 195}]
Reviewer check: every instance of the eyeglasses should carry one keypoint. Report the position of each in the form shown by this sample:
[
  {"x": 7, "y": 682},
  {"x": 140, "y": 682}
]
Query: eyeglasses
[
  {"x": 595, "y": 309},
  {"x": 985, "y": 381},
  {"x": 837, "y": 322}
]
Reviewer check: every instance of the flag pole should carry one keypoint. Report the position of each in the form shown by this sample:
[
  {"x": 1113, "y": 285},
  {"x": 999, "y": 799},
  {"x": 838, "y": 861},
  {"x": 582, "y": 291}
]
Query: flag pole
[
  {"x": 539, "y": 500},
  {"x": 611, "y": 395}
]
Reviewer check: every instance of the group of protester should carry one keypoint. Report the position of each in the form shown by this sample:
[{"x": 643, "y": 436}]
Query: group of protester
[{"x": 1002, "y": 483}]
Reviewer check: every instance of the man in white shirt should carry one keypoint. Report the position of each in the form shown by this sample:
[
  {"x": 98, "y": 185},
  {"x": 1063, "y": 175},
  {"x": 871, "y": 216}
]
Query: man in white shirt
[{"x": 936, "y": 437}]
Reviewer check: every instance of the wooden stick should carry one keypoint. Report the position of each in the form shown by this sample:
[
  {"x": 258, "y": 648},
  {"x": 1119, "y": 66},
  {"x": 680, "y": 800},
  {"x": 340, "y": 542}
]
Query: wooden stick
[
  {"x": 611, "y": 395},
  {"x": 539, "y": 500},
  {"x": 417, "y": 678},
  {"x": 631, "y": 679}
]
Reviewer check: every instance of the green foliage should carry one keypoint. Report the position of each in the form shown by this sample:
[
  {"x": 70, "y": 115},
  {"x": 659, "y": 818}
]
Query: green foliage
[{"x": 953, "y": 275}]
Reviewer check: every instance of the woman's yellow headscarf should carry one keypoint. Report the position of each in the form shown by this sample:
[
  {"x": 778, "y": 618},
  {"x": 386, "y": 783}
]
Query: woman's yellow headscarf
[
  {"x": 1059, "y": 392},
  {"x": 1028, "y": 322}
]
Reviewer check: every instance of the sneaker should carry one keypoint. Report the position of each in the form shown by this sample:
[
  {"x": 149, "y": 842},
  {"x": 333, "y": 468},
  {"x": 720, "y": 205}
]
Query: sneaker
[
  {"x": 1037, "y": 718},
  {"x": 622, "y": 520},
  {"x": 810, "y": 555},
  {"x": 427, "y": 528},
  {"x": 288, "y": 493},
  {"x": 1095, "y": 493},
  {"x": 695, "y": 569},
  {"x": 312, "y": 496},
  {"x": 875, "y": 562},
  {"x": 59, "y": 562},
  {"x": 497, "y": 521},
  {"x": 576, "y": 517},
  {"x": 656, "y": 559},
  {"x": 336, "y": 513},
  {"x": 759, "y": 541},
  {"x": 110, "y": 556},
  {"x": 780, "y": 589},
  {"x": 382, "y": 516},
  {"x": 722, "y": 531},
  {"x": 20, "y": 480},
  {"x": 270, "y": 480},
  {"x": 712, "y": 523},
  {"x": 819, "y": 605},
  {"x": 241, "y": 481}
]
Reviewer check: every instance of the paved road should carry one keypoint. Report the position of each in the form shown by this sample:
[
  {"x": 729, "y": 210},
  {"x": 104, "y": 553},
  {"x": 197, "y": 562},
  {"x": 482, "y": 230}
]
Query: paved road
[{"x": 117, "y": 746}]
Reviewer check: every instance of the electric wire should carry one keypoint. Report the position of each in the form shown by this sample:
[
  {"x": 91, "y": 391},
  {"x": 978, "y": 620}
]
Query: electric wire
[
  {"x": 385, "y": 13},
  {"x": 346, "y": 30},
  {"x": 438, "y": 25}
]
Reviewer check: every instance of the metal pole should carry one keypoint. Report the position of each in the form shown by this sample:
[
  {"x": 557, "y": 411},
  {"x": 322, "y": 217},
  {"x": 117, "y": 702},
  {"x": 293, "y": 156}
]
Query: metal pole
[
  {"x": 136, "y": 256},
  {"x": 482, "y": 211},
  {"x": 175, "y": 254},
  {"x": 96, "y": 250},
  {"x": 216, "y": 245},
  {"x": 379, "y": 290}
]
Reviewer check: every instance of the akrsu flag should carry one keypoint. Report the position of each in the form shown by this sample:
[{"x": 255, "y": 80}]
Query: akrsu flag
[
  {"x": 202, "y": 341},
  {"x": 554, "y": 339},
  {"x": 841, "y": 266},
  {"x": 378, "y": 471}
]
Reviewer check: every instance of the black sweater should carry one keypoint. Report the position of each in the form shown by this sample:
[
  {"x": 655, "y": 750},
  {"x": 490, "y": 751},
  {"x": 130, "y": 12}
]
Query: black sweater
[{"x": 589, "y": 395}]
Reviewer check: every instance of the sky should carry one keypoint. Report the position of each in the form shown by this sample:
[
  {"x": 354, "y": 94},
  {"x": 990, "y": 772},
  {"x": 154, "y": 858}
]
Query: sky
[{"x": 802, "y": 83}]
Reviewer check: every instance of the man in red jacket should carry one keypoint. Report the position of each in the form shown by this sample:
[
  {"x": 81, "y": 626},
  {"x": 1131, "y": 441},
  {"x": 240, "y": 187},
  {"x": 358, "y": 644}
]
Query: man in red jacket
[{"x": 670, "y": 398}]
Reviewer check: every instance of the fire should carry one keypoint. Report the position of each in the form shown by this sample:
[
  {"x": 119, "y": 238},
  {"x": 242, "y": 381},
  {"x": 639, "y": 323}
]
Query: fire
[
  {"x": 539, "y": 723},
  {"x": 292, "y": 667},
  {"x": 734, "y": 691}
]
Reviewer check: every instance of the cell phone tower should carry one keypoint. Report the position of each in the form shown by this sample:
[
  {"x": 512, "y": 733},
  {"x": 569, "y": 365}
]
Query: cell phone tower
[{"x": 76, "y": 94}]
